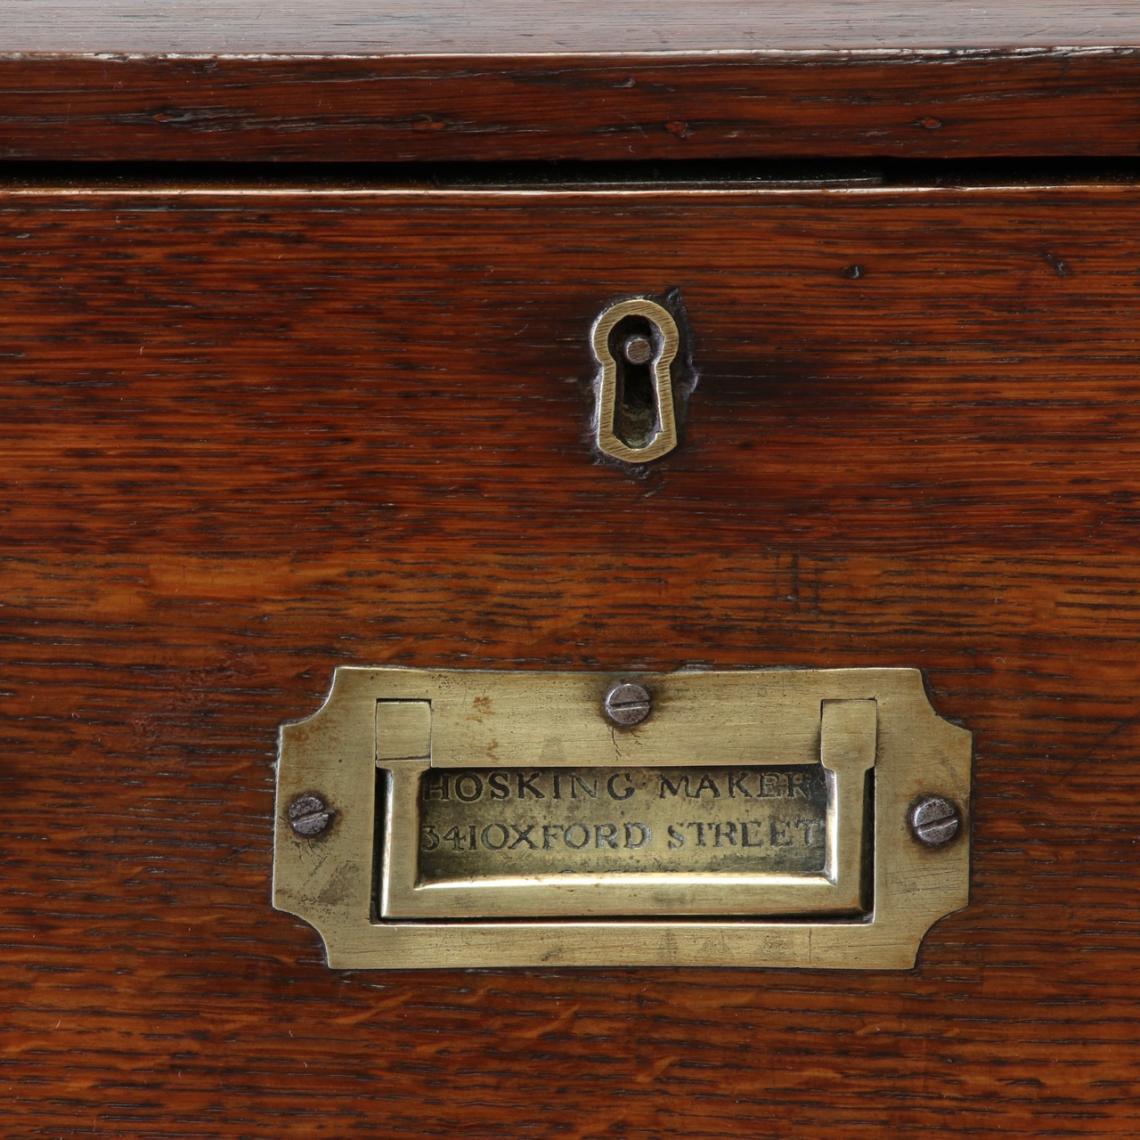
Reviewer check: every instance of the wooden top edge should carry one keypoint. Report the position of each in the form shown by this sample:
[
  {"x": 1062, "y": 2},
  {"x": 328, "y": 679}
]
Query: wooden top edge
[
  {"x": 506, "y": 82},
  {"x": 376, "y": 28},
  {"x": 198, "y": 193},
  {"x": 694, "y": 56}
]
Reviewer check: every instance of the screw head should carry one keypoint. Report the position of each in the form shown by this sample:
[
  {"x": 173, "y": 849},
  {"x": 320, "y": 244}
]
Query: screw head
[
  {"x": 310, "y": 816},
  {"x": 934, "y": 821},
  {"x": 638, "y": 349},
  {"x": 628, "y": 703}
]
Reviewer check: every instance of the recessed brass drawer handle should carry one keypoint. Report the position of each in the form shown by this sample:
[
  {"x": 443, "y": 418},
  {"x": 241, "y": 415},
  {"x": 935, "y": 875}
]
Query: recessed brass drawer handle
[
  {"x": 635, "y": 342},
  {"x": 796, "y": 818}
]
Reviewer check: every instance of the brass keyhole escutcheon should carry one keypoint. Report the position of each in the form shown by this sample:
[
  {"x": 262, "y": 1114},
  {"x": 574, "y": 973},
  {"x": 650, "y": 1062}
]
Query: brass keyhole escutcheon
[{"x": 635, "y": 342}]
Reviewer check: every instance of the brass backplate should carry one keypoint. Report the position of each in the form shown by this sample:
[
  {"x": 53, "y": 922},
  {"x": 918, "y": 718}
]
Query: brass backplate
[{"x": 754, "y": 818}]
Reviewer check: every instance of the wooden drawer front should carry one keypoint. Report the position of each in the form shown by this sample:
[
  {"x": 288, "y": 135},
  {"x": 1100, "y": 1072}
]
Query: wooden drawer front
[{"x": 251, "y": 435}]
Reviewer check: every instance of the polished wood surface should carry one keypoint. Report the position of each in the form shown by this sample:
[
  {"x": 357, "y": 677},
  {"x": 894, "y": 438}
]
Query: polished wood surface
[
  {"x": 507, "y": 80},
  {"x": 575, "y": 27},
  {"x": 251, "y": 436}
]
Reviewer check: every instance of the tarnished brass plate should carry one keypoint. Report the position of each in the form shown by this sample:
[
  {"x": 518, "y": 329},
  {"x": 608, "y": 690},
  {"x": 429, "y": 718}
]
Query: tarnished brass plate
[{"x": 451, "y": 818}]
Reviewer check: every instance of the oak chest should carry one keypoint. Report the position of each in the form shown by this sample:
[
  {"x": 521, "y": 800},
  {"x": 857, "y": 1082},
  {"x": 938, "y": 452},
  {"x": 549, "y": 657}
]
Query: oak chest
[{"x": 297, "y": 374}]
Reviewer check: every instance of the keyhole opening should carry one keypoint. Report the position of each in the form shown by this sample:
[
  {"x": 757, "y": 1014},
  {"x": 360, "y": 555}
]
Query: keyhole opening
[{"x": 635, "y": 345}]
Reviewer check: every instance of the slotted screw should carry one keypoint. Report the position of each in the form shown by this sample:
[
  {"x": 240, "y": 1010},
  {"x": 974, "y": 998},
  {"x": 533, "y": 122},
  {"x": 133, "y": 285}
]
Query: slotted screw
[
  {"x": 935, "y": 820},
  {"x": 310, "y": 816},
  {"x": 628, "y": 703}
]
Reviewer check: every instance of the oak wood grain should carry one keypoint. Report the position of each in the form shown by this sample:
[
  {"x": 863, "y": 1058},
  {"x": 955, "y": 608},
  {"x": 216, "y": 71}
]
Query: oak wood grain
[
  {"x": 360, "y": 81},
  {"x": 249, "y": 436}
]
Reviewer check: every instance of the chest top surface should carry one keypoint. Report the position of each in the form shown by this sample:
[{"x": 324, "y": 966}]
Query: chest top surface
[{"x": 398, "y": 81}]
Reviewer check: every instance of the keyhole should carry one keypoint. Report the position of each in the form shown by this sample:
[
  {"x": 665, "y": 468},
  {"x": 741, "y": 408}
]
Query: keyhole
[{"x": 635, "y": 343}]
